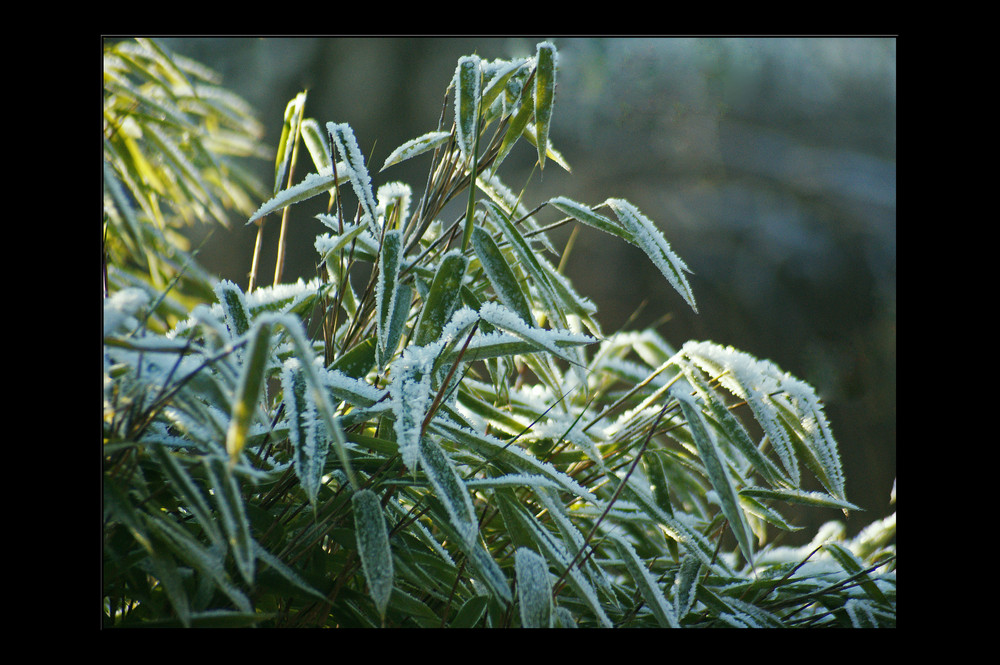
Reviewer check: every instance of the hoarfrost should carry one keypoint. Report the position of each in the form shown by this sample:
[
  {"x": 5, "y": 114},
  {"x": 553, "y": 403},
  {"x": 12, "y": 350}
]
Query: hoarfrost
[
  {"x": 120, "y": 308},
  {"x": 347, "y": 145}
]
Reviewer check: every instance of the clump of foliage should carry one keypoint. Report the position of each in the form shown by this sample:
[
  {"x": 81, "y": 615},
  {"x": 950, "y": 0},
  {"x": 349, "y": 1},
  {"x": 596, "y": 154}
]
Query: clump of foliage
[{"x": 435, "y": 431}]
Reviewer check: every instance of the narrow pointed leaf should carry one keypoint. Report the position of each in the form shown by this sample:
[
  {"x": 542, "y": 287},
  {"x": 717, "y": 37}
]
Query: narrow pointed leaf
[
  {"x": 342, "y": 136},
  {"x": 249, "y": 389},
  {"x": 545, "y": 91},
  {"x": 234, "y": 518},
  {"x": 468, "y": 81},
  {"x": 289, "y": 135},
  {"x": 417, "y": 146},
  {"x": 312, "y": 185},
  {"x": 449, "y": 489},
  {"x": 442, "y": 299},
  {"x": 317, "y": 145},
  {"x": 386, "y": 293},
  {"x": 373, "y": 546},
  {"x": 650, "y": 240},
  {"x": 501, "y": 277},
  {"x": 717, "y": 475},
  {"x": 534, "y": 589},
  {"x": 647, "y": 585},
  {"x": 804, "y": 497}
]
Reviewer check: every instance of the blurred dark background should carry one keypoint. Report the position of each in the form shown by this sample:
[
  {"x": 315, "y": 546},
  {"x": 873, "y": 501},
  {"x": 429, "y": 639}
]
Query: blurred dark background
[{"x": 768, "y": 163}]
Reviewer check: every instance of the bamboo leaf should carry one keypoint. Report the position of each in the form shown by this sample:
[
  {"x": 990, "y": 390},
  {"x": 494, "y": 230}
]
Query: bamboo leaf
[
  {"x": 191, "y": 496},
  {"x": 501, "y": 277},
  {"x": 373, "y": 546},
  {"x": 804, "y": 497},
  {"x": 534, "y": 589},
  {"x": 289, "y": 135},
  {"x": 417, "y": 146},
  {"x": 308, "y": 436},
  {"x": 234, "y": 518},
  {"x": 852, "y": 566},
  {"x": 312, "y": 185},
  {"x": 545, "y": 91},
  {"x": 646, "y": 583},
  {"x": 442, "y": 299},
  {"x": 234, "y": 308},
  {"x": 468, "y": 80},
  {"x": 249, "y": 389},
  {"x": 342, "y": 137},
  {"x": 386, "y": 294},
  {"x": 317, "y": 145},
  {"x": 449, "y": 489},
  {"x": 649, "y": 239},
  {"x": 717, "y": 474}
]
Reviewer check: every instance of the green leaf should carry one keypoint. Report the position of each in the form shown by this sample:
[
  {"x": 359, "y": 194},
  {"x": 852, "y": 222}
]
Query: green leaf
[
  {"x": 468, "y": 80},
  {"x": 646, "y": 583},
  {"x": 819, "y": 499},
  {"x": 650, "y": 240},
  {"x": 308, "y": 436},
  {"x": 373, "y": 546},
  {"x": 717, "y": 475},
  {"x": 312, "y": 185},
  {"x": 545, "y": 92},
  {"x": 289, "y": 135},
  {"x": 534, "y": 589},
  {"x": 388, "y": 326},
  {"x": 470, "y": 613},
  {"x": 852, "y": 566},
  {"x": 357, "y": 362},
  {"x": 249, "y": 389},
  {"x": 505, "y": 284},
  {"x": 317, "y": 145},
  {"x": 442, "y": 299},
  {"x": 417, "y": 146},
  {"x": 342, "y": 136},
  {"x": 449, "y": 489},
  {"x": 229, "y": 501}
]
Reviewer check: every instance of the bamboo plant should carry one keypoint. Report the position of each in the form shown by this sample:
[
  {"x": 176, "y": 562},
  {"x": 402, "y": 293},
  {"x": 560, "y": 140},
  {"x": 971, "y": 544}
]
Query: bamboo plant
[{"x": 435, "y": 431}]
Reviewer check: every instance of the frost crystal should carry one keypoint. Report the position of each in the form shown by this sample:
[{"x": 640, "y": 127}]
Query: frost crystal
[{"x": 347, "y": 145}]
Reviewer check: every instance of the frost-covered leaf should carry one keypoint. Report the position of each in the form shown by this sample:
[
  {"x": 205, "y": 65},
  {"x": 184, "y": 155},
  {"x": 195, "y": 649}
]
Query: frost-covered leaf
[
  {"x": 582, "y": 213},
  {"x": 417, "y": 146},
  {"x": 411, "y": 398},
  {"x": 249, "y": 389},
  {"x": 468, "y": 82},
  {"x": 373, "y": 547},
  {"x": 787, "y": 409},
  {"x": 312, "y": 185},
  {"x": 503, "y": 318},
  {"x": 388, "y": 325},
  {"x": 804, "y": 497},
  {"x": 308, "y": 436},
  {"x": 506, "y": 285},
  {"x": 649, "y": 239},
  {"x": 449, "y": 489},
  {"x": 442, "y": 299},
  {"x": 342, "y": 137},
  {"x": 229, "y": 501},
  {"x": 534, "y": 589},
  {"x": 717, "y": 474},
  {"x": 647, "y": 584},
  {"x": 234, "y": 307},
  {"x": 545, "y": 91},
  {"x": 317, "y": 145},
  {"x": 852, "y": 567},
  {"x": 687, "y": 585}
]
